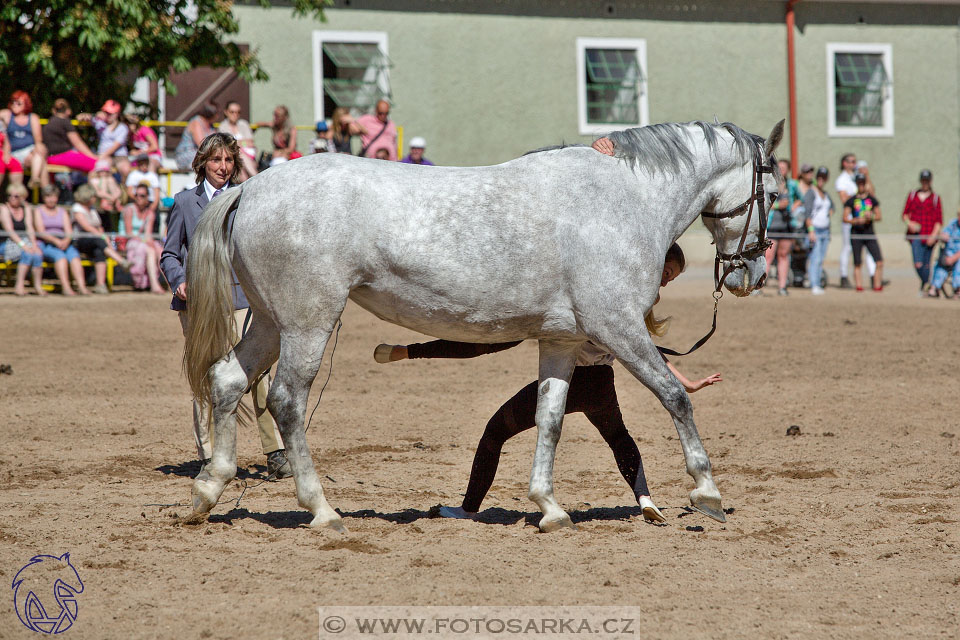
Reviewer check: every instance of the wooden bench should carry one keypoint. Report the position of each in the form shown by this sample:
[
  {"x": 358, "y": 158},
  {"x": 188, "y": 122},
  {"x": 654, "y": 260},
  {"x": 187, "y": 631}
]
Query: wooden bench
[{"x": 8, "y": 272}]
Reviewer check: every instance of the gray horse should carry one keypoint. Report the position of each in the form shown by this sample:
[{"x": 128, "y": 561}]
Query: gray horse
[{"x": 563, "y": 246}]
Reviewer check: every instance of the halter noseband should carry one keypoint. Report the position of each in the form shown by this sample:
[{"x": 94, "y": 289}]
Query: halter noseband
[{"x": 743, "y": 253}]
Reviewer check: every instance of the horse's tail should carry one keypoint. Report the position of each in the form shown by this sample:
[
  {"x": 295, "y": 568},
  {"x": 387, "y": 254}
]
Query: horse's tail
[{"x": 209, "y": 293}]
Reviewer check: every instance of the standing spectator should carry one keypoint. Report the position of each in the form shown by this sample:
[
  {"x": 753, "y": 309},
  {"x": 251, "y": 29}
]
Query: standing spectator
[
  {"x": 240, "y": 129},
  {"x": 96, "y": 245},
  {"x": 381, "y": 132},
  {"x": 113, "y": 136},
  {"x": 143, "y": 174},
  {"x": 143, "y": 251},
  {"x": 26, "y": 137},
  {"x": 323, "y": 143},
  {"x": 7, "y": 161},
  {"x": 51, "y": 223},
  {"x": 818, "y": 207},
  {"x": 108, "y": 190},
  {"x": 861, "y": 211},
  {"x": 417, "y": 145},
  {"x": 344, "y": 128},
  {"x": 64, "y": 144},
  {"x": 779, "y": 230},
  {"x": 216, "y": 165},
  {"x": 21, "y": 245},
  {"x": 924, "y": 217},
  {"x": 846, "y": 188},
  {"x": 143, "y": 141},
  {"x": 199, "y": 127},
  {"x": 284, "y": 136},
  {"x": 949, "y": 257}
]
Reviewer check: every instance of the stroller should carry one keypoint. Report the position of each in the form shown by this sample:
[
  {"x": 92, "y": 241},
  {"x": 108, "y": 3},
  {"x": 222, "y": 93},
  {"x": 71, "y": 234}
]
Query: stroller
[{"x": 798, "y": 265}]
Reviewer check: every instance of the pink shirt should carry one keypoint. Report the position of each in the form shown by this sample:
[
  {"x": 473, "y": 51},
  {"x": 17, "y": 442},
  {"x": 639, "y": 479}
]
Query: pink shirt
[{"x": 387, "y": 140}]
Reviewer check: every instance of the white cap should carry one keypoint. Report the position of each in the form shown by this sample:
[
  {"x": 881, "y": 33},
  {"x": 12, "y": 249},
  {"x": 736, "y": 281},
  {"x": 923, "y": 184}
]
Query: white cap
[
  {"x": 418, "y": 143},
  {"x": 861, "y": 164}
]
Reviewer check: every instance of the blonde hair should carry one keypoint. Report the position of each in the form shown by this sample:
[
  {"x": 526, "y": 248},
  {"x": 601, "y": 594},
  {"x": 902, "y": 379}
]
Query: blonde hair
[
  {"x": 338, "y": 113},
  {"x": 656, "y": 326}
]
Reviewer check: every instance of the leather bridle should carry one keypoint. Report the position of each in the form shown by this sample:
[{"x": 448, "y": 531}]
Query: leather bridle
[{"x": 744, "y": 252}]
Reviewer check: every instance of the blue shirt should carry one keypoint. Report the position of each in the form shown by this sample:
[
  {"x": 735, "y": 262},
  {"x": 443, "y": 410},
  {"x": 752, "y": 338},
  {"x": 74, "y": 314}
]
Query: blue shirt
[{"x": 952, "y": 231}]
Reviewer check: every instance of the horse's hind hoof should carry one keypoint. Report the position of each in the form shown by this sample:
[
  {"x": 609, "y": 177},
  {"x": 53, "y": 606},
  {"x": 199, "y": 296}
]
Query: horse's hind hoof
[
  {"x": 334, "y": 524},
  {"x": 550, "y": 524},
  {"x": 708, "y": 505},
  {"x": 650, "y": 511}
]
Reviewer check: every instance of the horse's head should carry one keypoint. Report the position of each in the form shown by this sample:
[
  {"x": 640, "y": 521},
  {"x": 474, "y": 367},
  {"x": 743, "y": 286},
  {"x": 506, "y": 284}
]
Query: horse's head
[{"x": 739, "y": 224}]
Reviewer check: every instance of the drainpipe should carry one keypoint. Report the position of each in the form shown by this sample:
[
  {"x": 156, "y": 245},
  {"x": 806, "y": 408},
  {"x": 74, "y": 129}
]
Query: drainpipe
[{"x": 792, "y": 88}]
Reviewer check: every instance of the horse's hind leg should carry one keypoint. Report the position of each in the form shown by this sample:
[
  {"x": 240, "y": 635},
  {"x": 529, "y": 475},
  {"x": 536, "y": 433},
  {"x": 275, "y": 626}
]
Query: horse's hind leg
[
  {"x": 300, "y": 356},
  {"x": 639, "y": 355},
  {"x": 556, "y": 367},
  {"x": 230, "y": 377}
]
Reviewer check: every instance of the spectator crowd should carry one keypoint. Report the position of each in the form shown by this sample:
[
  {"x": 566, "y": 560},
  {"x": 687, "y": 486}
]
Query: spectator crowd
[{"x": 117, "y": 198}]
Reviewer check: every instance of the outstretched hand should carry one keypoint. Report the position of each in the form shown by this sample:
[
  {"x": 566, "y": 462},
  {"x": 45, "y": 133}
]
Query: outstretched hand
[
  {"x": 603, "y": 145},
  {"x": 706, "y": 382}
]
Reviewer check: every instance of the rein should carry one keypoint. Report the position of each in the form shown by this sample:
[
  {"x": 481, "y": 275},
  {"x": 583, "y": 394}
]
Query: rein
[{"x": 737, "y": 259}]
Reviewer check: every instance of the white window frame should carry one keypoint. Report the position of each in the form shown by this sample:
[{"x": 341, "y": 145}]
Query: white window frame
[
  {"x": 840, "y": 131},
  {"x": 378, "y": 38},
  {"x": 637, "y": 44}
]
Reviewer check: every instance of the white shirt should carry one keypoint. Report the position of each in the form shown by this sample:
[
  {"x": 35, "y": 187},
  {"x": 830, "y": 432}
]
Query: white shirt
[
  {"x": 90, "y": 215},
  {"x": 846, "y": 184},
  {"x": 137, "y": 177},
  {"x": 820, "y": 216},
  {"x": 209, "y": 189}
]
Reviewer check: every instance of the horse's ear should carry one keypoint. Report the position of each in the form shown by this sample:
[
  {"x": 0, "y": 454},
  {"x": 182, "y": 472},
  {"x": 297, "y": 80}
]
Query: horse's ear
[{"x": 773, "y": 140}]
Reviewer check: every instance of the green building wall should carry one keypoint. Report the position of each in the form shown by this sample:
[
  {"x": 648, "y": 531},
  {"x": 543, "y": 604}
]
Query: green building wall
[{"x": 484, "y": 82}]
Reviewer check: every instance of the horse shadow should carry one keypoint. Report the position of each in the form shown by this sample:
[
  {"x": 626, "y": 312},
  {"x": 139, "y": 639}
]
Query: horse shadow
[{"x": 191, "y": 468}]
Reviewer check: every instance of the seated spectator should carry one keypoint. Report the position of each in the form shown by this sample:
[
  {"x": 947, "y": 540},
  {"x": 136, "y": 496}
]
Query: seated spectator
[
  {"x": 108, "y": 190},
  {"x": 114, "y": 136},
  {"x": 284, "y": 135},
  {"x": 143, "y": 141},
  {"x": 64, "y": 144},
  {"x": 198, "y": 128},
  {"x": 417, "y": 145},
  {"x": 381, "y": 132},
  {"x": 240, "y": 129},
  {"x": 949, "y": 257},
  {"x": 96, "y": 246},
  {"x": 143, "y": 251},
  {"x": 26, "y": 137},
  {"x": 323, "y": 143},
  {"x": 143, "y": 174},
  {"x": 7, "y": 161},
  {"x": 382, "y": 154},
  {"x": 21, "y": 244},
  {"x": 51, "y": 222},
  {"x": 344, "y": 127}
]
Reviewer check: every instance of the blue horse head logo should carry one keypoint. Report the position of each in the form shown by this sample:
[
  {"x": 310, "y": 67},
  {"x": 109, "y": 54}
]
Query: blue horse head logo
[{"x": 45, "y": 593}]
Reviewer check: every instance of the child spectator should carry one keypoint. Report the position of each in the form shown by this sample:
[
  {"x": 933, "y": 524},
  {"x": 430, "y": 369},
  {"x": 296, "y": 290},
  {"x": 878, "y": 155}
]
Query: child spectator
[
  {"x": 26, "y": 137},
  {"x": 143, "y": 252},
  {"x": 21, "y": 244},
  {"x": 924, "y": 217},
  {"x": 949, "y": 257},
  {"x": 417, "y": 145},
  {"x": 861, "y": 211},
  {"x": 143, "y": 141},
  {"x": 97, "y": 245},
  {"x": 109, "y": 193},
  {"x": 323, "y": 143},
  {"x": 7, "y": 161},
  {"x": 64, "y": 144},
  {"x": 144, "y": 174},
  {"x": 114, "y": 136},
  {"x": 52, "y": 226}
]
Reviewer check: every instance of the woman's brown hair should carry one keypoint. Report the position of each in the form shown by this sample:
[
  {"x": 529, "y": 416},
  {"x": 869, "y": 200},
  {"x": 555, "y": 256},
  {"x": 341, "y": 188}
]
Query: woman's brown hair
[{"x": 210, "y": 146}]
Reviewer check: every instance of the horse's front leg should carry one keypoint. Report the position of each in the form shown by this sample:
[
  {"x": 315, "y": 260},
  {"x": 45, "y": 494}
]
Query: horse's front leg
[
  {"x": 639, "y": 355},
  {"x": 557, "y": 361}
]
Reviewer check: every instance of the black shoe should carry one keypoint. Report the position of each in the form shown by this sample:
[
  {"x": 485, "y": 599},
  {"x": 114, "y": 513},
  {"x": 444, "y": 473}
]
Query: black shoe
[
  {"x": 845, "y": 283},
  {"x": 277, "y": 464}
]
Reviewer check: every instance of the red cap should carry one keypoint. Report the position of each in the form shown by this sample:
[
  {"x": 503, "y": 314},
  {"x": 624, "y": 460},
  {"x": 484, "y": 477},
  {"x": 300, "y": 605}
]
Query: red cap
[{"x": 111, "y": 106}]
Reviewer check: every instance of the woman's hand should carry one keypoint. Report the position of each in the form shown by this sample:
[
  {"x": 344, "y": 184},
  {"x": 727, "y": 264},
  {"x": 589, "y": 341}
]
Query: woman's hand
[
  {"x": 181, "y": 291},
  {"x": 706, "y": 382},
  {"x": 812, "y": 236},
  {"x": 32, "y": 249},
  {"x": 603, "y": 145},
  {"x": 913, "y": 227}
]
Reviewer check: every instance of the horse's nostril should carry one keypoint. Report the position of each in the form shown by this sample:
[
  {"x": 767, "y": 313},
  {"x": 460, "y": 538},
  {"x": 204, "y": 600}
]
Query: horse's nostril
[{"x": 761, "y": 281}]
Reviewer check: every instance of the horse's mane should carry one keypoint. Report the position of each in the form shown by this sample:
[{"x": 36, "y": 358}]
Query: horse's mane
[{"x": 668, "y": 145}]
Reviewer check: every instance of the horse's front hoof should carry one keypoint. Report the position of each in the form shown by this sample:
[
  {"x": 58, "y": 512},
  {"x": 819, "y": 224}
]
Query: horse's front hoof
[
  {"x": 709, "y": 504},
  {"x": 206, "y": 492},
  {"x": 334, "y": 524},
  {"x": 555, "y": 522},
  {"x": 650, "y": 511}
]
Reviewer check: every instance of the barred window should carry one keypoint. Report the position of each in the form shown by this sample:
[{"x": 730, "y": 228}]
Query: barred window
[
  {"x": 861, "y": 91},
  {"x": 611, "y": 84},
  {"x": 351, "y": 69}
]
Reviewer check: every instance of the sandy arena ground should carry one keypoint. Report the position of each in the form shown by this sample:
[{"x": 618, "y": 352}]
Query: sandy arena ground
[{"x": 848, "y": 530}]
